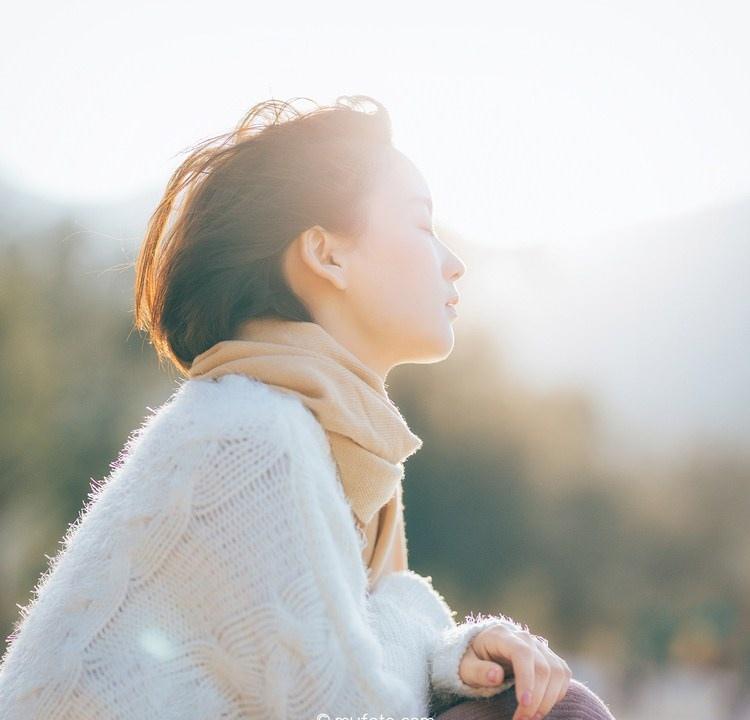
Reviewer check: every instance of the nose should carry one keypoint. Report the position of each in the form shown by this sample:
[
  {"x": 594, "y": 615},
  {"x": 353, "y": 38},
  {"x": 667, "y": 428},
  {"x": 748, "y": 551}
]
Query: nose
[{"x": 454, "y": 267}]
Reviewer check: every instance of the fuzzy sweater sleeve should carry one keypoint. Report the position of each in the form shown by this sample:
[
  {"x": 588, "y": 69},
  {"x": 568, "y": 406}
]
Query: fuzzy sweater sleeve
[
  {"x": 406, "y": 600},
  {"x": 404, "y": 628},
  {"x": 301, "y": 636}
]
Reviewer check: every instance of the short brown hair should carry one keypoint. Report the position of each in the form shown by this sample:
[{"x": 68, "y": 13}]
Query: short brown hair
[{"x": 245, "y": 195}]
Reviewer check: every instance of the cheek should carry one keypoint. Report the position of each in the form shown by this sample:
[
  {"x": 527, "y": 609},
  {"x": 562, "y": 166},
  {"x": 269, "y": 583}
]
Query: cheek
[
  {"x": 399, "y": 286},
  {"x": 403, "y": 272}
]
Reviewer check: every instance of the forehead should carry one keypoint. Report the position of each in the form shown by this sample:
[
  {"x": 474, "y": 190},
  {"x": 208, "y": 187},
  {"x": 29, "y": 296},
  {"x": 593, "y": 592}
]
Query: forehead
[{"x": 401, "y": 183}]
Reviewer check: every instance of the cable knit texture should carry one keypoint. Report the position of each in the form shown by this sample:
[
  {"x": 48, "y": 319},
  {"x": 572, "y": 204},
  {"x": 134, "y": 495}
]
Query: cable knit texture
[{"x": 217, "y": 573}]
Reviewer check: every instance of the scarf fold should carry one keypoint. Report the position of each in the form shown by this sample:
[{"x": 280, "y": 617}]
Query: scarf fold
[{"x": 369, "y": 437}]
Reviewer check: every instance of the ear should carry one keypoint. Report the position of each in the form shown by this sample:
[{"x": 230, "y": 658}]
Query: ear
[{"x": 323, "y": 253}]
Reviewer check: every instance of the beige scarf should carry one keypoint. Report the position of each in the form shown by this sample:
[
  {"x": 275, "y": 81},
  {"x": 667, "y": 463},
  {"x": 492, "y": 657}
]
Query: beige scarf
[{"x": 368, "y": 436}]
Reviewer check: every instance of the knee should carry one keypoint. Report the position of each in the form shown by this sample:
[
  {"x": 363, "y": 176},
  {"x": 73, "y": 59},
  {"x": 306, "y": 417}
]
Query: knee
[{"x": 580, "y": 702}]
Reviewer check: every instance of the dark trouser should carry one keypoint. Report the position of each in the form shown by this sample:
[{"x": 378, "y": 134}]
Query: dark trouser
[{"x": 579, "y": 703}]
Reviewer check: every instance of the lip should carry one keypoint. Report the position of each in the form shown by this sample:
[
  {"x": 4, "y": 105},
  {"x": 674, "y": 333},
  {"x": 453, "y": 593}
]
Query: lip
[
  {"x": 453, "y": 301},
  {"x": 452, "y": 310}
]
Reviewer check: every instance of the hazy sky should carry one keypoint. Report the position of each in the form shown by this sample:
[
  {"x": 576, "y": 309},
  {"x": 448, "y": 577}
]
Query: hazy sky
[{"x": 531, "y": 121}]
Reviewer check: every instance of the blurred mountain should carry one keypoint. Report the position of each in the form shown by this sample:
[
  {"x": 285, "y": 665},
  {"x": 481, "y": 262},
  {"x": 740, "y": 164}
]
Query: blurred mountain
[
  {"x": 24, "y": 213},
  {"x": 110, "y": 230},
  {"x": 653, "y": 321}
]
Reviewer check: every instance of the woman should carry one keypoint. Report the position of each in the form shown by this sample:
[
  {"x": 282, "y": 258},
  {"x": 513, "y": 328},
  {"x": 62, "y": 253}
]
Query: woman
[{"x": 247, "y": 557}]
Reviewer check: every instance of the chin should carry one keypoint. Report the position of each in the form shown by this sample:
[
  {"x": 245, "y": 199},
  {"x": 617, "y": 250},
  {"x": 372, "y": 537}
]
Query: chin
[{"x": 435, "y": 345}]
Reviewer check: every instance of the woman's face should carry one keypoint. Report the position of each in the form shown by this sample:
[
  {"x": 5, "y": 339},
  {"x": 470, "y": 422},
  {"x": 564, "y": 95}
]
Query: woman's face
[
  {"x": 383, "y": 294},
  {"x": 401, "y": 274}
]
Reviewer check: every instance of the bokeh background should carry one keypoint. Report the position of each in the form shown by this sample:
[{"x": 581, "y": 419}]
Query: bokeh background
[{"x": 586, "y": 465}]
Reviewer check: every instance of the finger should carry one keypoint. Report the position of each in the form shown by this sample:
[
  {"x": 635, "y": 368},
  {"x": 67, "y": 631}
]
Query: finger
[
  {"x": 481, "y": 673},
  {"x": 567, "y": 676},
  {"x": 542, "y": 674},
  {"x": 492, "y": 673},
  {"x": 554, "y": 692},
  {"x": 522, "y": 657},
  {"x": 505, "y": 644}
]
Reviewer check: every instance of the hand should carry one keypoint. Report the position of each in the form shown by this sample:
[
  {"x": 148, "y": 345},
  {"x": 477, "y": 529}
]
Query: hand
[{"x": 540, "y": 674}]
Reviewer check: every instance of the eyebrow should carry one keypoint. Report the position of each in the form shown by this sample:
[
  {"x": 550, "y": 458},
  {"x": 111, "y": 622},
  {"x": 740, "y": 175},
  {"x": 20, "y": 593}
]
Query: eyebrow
[{"x": 422, "y": 199}]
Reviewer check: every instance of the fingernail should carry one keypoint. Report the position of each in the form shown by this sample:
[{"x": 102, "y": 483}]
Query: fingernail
[
  {"x": 526, "y": 698},
  {"x": 493, "y": 675}
]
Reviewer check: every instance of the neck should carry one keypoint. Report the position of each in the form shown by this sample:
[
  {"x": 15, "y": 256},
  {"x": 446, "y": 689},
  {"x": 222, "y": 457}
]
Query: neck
[{"x": 357, "y": 342}]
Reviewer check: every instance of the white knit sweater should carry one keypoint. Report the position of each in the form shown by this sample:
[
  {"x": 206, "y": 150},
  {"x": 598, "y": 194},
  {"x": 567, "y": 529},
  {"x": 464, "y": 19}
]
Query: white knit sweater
[{"x": 217, "y": 573}]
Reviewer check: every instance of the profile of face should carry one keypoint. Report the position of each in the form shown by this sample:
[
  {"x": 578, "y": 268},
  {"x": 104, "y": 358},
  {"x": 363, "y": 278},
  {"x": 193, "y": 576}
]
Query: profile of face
[{"x": 384, "y": 294}]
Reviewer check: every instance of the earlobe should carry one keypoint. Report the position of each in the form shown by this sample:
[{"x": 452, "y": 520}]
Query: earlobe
[
  {"x": 319, "y": 254},
  {"x": 337, "y": 276}
]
